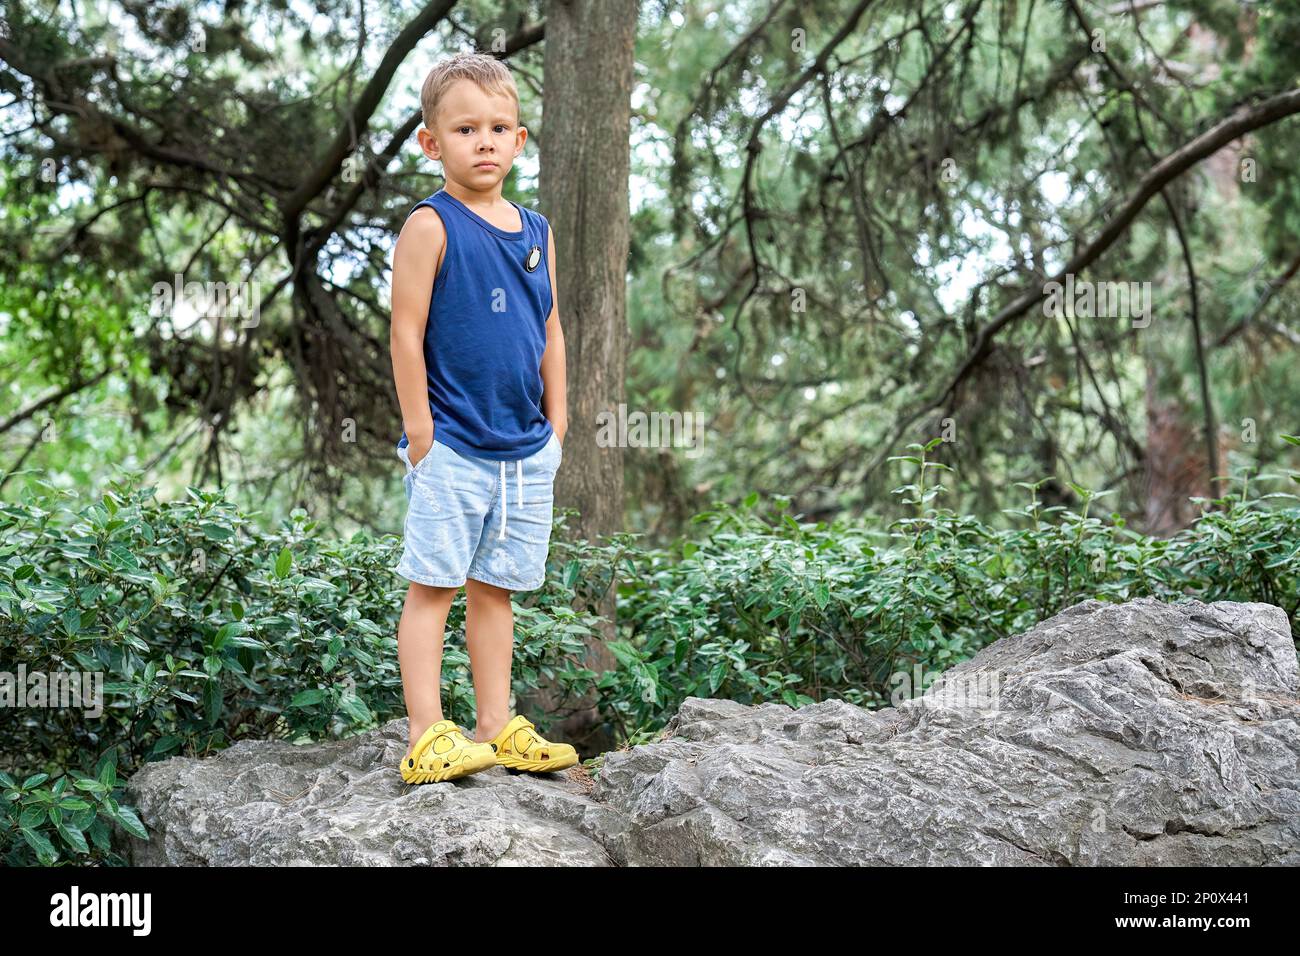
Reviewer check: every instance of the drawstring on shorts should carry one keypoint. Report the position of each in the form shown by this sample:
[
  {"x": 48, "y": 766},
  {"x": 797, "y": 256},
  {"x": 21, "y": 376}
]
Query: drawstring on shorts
[{"x": 519, "y": 486}]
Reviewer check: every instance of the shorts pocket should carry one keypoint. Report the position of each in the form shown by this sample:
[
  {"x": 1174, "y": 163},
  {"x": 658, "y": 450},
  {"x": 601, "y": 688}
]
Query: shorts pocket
[
  {"x": 546, "y": 460},
  {"x": 419, "y": 466}
]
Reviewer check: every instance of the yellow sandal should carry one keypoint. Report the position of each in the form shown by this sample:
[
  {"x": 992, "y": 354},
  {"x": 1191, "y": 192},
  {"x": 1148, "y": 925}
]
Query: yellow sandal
[
  {"x": 520, "y": 747},
  {"x": 445, "y": 753}
]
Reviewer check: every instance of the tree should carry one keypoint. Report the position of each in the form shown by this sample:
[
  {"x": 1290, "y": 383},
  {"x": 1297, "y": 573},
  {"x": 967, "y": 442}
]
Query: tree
[{"x": 584, "y": 185}]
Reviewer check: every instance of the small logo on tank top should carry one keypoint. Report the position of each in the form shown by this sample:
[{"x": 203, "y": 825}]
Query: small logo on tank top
[{"x": 534, "y": 258}]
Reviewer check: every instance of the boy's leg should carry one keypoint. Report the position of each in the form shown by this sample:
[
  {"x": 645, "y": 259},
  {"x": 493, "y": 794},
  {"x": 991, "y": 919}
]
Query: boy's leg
[
  {"x": 504, "y": 563},
  {"x": 419, "y": 655},
  {"x": 448, "y": 500},
  {"x": 490, "y": 639},
  {"x": 514, "y": 562}
]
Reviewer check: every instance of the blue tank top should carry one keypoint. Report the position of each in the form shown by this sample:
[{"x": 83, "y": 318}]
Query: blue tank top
[{"x": 486, "y": 334}]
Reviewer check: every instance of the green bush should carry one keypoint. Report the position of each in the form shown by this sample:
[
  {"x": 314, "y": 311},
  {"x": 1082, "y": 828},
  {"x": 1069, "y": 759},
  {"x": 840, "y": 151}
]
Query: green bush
[
  {"x": 764, "y": 607},
  {"x": 202, "y": 631},
  {"x": 206, "y": 630}
]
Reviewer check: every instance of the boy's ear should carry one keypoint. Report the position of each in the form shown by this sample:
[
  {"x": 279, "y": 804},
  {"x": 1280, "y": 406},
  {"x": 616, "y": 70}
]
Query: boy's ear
[{"x": 428, "y": 143}]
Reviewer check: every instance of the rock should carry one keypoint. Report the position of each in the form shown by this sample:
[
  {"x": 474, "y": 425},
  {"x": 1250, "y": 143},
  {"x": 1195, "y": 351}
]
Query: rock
[
  {"x": 343, "y": 802},
  {"x": 1134, "y": 734}
]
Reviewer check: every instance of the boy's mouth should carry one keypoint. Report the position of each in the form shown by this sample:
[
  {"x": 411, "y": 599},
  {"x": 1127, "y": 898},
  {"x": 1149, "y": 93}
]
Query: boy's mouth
[{"x": 485, "y": 165}]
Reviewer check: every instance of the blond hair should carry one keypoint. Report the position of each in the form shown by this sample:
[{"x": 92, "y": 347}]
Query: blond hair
[{"x": 488, "y": 72}]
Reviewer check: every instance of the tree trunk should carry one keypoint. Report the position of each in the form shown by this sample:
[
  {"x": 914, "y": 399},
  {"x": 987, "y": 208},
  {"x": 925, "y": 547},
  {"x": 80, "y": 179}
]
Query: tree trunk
[
  {"x": 585, "y": 163},
  {"x": 1177, "y": 467}
]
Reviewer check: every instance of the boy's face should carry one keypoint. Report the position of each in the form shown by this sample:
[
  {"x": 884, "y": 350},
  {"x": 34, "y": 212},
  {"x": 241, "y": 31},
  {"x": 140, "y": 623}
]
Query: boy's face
[{"x": 476, "y": 136}]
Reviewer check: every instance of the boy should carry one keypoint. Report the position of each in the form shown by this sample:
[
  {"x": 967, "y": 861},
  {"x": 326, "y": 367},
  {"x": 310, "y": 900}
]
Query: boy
[{"x": 478, "y": 361}]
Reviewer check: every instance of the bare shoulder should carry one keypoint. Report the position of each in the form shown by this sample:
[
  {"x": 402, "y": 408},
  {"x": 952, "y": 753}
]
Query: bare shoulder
[
  {"x": 423, "y": 225},
  {"x": 421, "y": 245}
]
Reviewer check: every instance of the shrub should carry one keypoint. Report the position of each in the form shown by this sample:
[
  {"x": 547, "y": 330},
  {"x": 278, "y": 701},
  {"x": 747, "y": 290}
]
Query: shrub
[
  {"x": 201, "y": 630},
  {"x": 765, "y": 607}
]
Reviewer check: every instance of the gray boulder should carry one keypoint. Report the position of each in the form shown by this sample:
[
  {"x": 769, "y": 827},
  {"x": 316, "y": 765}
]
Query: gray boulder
[
  {"x": 273, "y": 803},
  {"x": 1134, "y": 734}
]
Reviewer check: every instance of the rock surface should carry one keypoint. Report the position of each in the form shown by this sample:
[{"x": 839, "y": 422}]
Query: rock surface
[{"x": 1135, "y": 734}]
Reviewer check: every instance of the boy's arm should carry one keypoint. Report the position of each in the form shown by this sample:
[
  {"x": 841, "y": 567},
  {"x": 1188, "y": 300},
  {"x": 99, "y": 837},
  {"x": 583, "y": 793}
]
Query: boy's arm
[
  {"x": 415, "y": 263},
  {"x": 554, "y": 381}
]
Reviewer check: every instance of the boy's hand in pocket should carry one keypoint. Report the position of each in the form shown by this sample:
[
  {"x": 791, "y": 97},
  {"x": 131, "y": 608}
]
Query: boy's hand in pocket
[{"x": 417, "y": 448}]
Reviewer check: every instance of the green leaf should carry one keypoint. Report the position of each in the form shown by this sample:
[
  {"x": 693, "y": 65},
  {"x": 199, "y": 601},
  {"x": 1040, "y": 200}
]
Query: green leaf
[
  {"x": 73, "y": 836},
  {"x": 38, "y": 842},
  {"x": 31, "y": 817},
  {"x": 99, "y": 835},
  {"x": 307, "y": 698},
  {"x": 213, "y": 700},
  {"x": 227, "y": 631},
  {"x": 72, "y": 621},
  {"x": 355, "y": 708},
  {"x": 165, "y": 744},
  {"x": 716, "y": 675},
  {"x": 625, "y": 653},
  {"x": 130, "y": 822},
  {"x": 283, "y": 563}
]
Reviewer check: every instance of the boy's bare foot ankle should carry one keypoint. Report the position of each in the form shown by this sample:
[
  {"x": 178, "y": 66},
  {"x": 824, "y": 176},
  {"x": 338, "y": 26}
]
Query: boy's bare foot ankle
[{"x": 488, "y": 729}]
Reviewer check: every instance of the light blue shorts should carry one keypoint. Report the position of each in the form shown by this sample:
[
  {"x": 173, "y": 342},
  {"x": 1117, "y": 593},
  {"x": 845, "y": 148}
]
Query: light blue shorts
[{"x": 478, "y": 518}]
